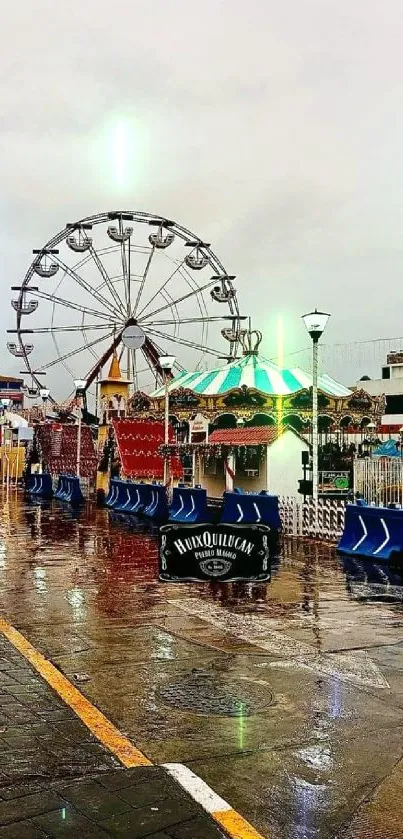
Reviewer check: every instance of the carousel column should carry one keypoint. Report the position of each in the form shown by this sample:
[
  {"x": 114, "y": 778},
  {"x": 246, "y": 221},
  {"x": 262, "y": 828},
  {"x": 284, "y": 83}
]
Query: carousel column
[
  {"x": 229, "y": 471},
  {"x": 44, "y": 394},
  {"x": 195, "y": 467}
]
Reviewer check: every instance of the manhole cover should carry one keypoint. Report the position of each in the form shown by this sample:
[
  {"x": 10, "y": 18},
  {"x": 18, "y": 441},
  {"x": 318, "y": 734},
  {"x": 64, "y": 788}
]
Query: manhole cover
[{"x": 209, "y": 693}]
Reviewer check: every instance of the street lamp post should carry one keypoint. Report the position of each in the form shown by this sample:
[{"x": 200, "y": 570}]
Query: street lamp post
[
  {"x": 44, "y": 393},
  {"x": 166, "y": 363},
  {"x": 315, "y": 323},
  {"x": 5, "y": 402},
  {"x": 371, "y": 428},
  {"x": 80, "y": 385}
]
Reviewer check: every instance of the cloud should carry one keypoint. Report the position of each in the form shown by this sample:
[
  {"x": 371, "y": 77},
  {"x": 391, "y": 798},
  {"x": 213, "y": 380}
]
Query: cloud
[{"x": 272, "y": 130}]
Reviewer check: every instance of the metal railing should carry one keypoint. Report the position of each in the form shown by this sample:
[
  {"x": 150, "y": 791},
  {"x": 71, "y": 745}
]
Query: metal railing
[{"x": 380, "y": 480}]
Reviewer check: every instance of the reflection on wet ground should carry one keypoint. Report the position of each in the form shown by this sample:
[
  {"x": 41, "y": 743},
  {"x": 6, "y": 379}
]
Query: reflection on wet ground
[{"x": 286, "y": 698}]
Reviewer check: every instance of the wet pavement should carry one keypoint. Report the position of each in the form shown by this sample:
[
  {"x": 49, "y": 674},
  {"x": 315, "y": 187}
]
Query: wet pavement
[
  {"x": 56, "y": 780},
  {"x": 286, "y": 698}
]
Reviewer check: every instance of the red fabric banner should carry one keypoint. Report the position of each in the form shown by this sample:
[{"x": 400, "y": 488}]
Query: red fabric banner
[
  {"x": 59, "y": 448},
  {"x": 138, "y": 442}
]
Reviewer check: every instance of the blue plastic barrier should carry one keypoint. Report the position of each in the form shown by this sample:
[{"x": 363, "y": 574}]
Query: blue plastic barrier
[
  {"x": 158, "y": 507},
  {"x": 128, "y": 497},
  {"x": 112, "y": 493},
  {"x": 189, "y": 506},
  {"x": 68, "y": 489},
  {"x": 145, "y": 497},
  {"x": 374, "y": 532},
  {"x": 61, "y": 489},
  {"x": 40, "y": 485},
  {"x": 122, "y": 498},
  {"x": 125, "y": 498},
  {"x": 251, "y": 508},
  {"x": 132, "y": 498}
]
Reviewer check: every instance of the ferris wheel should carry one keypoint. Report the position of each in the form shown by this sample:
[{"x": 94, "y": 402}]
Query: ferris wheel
[{"x": 108, "y": 272}]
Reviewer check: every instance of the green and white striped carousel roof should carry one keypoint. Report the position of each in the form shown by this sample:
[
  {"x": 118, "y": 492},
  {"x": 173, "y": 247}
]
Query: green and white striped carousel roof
[{"x": 253, "y": 372}]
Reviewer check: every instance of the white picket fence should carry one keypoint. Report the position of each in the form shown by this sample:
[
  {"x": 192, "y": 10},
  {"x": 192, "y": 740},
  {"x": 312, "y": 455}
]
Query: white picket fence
[{"x": 299, "y": 518}]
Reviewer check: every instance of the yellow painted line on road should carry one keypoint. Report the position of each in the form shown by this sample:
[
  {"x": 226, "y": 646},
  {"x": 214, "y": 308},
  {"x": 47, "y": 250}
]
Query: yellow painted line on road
[
  {"x": 236, "y": 826},
  {"x": 101, "y": 727},
  {"x": 232, "y": 822}
]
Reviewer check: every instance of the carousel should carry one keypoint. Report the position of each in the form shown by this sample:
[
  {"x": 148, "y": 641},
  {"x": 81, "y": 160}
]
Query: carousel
[
  {"x": 252, "y": 391},
  {"x": 228, "y": 421}
]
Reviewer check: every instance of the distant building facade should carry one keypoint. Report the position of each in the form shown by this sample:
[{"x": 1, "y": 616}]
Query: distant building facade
[
  {"x": 12, "y": 388},
  {"x": 390, "y": 385}
]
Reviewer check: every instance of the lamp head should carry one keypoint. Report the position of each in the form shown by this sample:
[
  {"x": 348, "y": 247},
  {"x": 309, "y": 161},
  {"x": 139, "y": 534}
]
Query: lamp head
[
  {"x": 166, "y": 362},
  {"x": 315, "y": 323},
  {"x": 80, "y": 386}
]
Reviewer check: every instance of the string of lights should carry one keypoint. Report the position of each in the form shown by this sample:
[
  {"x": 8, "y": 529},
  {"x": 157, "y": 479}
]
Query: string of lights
[{"x": 368, "y": 351}]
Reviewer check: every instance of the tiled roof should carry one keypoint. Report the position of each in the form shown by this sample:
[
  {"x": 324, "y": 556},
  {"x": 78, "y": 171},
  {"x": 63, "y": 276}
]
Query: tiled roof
[{"x": 249, "y": 436}]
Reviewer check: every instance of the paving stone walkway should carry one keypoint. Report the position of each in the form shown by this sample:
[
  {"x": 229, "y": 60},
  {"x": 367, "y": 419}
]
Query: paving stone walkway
[{"x": 56, "y": 780}]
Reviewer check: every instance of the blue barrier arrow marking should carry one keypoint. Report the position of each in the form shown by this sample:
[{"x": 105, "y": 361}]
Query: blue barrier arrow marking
[
  {"x": 128, "y": 499},
  {"x": 365, "y": 532},
  {"x": 180, "y": 508},
  {"x": 257, "y": 511},
  {"x": 385, "y": 542},
  {"x": 191, "y": 511},
  {"x": 240, "y": 513}
]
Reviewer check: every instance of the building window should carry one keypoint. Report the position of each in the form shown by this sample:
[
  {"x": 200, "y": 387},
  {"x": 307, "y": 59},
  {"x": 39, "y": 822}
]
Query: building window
[
  {"x": 249, "y": 464},
  {"x": 386, "y": 372},
  {"x": 394, "y": 404},
  {"x": 210, "y": 467}
]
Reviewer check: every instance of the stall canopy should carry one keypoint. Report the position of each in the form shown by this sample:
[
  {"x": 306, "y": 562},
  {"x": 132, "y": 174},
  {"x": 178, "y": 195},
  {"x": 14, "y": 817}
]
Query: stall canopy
[{"x": 387, "y": 449}]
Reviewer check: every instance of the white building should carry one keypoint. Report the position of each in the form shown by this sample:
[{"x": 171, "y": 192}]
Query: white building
[
  {"x": 264, "y": 457},
  {"x": 389, "y": 385}
]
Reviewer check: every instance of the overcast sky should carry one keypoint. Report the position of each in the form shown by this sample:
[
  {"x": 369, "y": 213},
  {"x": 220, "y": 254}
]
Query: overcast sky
[{"x": 274, "y": 130}]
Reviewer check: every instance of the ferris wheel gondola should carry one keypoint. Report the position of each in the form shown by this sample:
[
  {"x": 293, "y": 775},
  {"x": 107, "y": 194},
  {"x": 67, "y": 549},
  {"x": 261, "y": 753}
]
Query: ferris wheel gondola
[{"x": 107, "y": 272}]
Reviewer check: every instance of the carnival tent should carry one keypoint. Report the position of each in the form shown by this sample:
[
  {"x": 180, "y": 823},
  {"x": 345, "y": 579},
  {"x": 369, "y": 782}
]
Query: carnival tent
[
  {"x": 252, "y": 371},
  {"x": 15, "y": 420}
]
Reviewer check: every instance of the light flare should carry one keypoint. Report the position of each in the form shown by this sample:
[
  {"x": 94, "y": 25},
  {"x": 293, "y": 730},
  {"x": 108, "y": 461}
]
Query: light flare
[
  {"x": 241, "y": 725},
  {"x": 120, "y": 153},
  {"x": 280, "y": 363}
]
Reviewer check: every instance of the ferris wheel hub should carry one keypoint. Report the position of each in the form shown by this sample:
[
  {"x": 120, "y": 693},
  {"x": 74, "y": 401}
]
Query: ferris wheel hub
[{"x": 133, "y": 337}]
